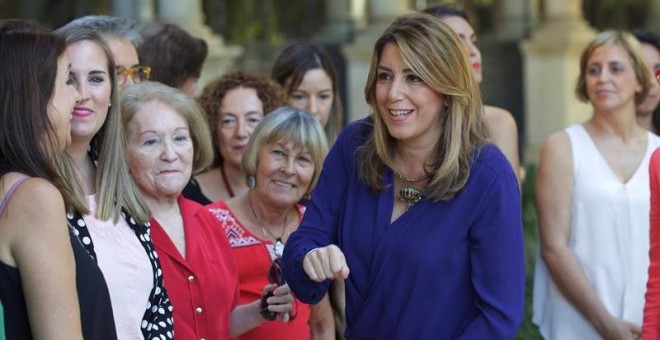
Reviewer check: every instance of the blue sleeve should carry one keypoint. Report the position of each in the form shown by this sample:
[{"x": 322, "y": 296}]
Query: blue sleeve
[
  {"x": 319, "y": 225},
  {"x": 497, "y": 259}
]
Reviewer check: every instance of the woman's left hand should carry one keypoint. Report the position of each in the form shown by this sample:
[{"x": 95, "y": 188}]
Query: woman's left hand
[{"x": 281, "y": 302}]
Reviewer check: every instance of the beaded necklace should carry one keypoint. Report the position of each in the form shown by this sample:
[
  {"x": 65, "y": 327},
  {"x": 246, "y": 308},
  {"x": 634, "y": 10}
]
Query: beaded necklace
[{"x": 409, "y": 194}]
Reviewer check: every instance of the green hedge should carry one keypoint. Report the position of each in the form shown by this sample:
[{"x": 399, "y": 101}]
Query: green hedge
[{"x": 530, "y": 222}]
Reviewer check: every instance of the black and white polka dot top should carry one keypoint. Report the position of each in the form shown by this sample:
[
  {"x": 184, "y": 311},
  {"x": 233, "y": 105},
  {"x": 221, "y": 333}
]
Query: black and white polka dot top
[{"x": 157, "y": 321}]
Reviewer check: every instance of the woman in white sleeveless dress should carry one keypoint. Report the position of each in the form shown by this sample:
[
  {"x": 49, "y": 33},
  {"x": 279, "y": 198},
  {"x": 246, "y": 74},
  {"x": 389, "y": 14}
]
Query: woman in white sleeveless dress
[{"x": 592, "y": 198}]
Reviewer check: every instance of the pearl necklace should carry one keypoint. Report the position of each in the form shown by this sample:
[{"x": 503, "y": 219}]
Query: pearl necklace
[{"x": 409, "y": 194}]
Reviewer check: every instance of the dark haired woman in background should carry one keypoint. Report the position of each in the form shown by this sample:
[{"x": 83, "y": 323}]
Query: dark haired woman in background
[{"x": 308, "y": 75}]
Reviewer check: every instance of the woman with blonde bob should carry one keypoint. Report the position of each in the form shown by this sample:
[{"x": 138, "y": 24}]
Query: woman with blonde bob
[
  {"x": 283, "y": 161},
  {"x": 415, "y": 195}
]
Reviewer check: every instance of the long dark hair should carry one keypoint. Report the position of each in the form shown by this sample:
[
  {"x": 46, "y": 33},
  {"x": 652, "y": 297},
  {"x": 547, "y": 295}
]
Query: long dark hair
[
  {"x": 28, "y": 68},
  {"x": 290, "y": 68}
]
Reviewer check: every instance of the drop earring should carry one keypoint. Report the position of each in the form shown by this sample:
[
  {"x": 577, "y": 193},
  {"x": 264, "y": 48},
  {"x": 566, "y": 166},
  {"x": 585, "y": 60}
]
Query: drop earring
[{"x": 251, "y": 182}]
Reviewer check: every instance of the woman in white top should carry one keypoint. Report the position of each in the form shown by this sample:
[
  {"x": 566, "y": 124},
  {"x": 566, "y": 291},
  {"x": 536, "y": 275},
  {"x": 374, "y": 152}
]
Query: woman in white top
[{"x": 592, "y": 197}]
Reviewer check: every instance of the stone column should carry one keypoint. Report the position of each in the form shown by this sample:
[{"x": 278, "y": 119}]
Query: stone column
[
  {"x": 384, "y": 11},
  {"x": 188, "y": 15},
  {"x": 138, "y": 10},
  {"x": 358, "y": 54},
  {"x": 551, "y": 68},
  {"x": 515, "y": 18},
  {"x": 358, "y": 13},
  {"x": 653, "y": 18},
  {"x": 339, "y": 26}
]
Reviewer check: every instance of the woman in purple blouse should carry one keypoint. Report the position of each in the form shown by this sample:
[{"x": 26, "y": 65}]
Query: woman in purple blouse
[{"x": 414, "y": 207}]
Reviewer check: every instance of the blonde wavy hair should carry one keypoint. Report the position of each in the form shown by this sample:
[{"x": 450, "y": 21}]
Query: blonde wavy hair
[{"x": 436, "y": 55}]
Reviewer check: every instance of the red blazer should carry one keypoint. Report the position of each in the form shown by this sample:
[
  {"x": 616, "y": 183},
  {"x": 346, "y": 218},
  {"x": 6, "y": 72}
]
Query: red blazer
[
  {"x": 651, "y": 325},
  {"x": 203, "y": 286}
]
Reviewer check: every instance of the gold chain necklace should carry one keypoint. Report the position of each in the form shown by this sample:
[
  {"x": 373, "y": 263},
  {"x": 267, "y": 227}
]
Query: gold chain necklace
[
  {"x": 409, "y": 194},
  {"x": 278, "y": 246}
]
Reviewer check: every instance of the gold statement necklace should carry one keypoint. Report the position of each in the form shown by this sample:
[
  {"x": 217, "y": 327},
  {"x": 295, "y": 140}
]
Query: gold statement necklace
[
  {"x": 278, "y": 246},
  {"x": 409, "y": 193}
]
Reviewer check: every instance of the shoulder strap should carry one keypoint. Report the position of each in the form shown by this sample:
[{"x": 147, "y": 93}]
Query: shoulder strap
[{"x": 10, "y": 192}]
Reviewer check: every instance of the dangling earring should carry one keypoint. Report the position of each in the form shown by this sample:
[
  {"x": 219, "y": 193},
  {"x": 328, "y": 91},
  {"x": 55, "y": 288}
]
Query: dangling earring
[{"x": 251, "y": 182}]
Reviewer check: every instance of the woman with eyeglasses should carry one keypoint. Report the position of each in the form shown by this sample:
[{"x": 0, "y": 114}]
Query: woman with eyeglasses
[
  {"x": 113, "y": 226},
  {"x": 234, "y": 105},
  {"x": 283, "y": 161},
  {"x": 123, "y": 37}
]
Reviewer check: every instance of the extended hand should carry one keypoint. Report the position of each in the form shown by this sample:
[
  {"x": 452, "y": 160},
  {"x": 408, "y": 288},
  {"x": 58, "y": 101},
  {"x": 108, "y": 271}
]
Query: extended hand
[{"x": 325, "y": 263}]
